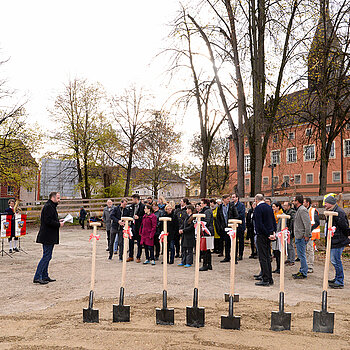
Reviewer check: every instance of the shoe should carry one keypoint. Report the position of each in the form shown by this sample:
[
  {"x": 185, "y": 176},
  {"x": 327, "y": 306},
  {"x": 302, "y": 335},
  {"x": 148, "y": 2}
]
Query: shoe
[
  {"x": 299, "y": 276},
  {"x": 258, "y": 278},
  {"x": 225, "y": 260},
  {"x": 331, "y": 281},
  {"x": 297, "y": 259},
  {"x": 48, "y": 279},
  {"x": 204, "y": 268},
  {"x": 16, "y": 250},
  {"x": 210, "y": 267},
  {"x": 138, "y": 260},
  {"x": 240, "y": 257},
  {"x": 181, "y": 264},
  {"x": 107, "y": 250},
  {"x": 310, "y": 271},
  {"x": 259, "y": 275},
  {"x": 177, "y": 256},
  {"x": 290, "y": 264},
  {"x": 276, "y": 271},
  {"x": 170, "y": 263},
  {"x": 156, "y": 258},
  {"x": 236, "y": 262},
  {"x": 129, "y": 259},
  {"x": 251, "y": 256},
  {"x": 336, "y": 285},
  {"x": 153, "y": 262},
  {"x": 40, "y": 282},
  {"x": 10, "y": 250},
  {"x": 220, "y": 254},
  {"x": 188, "y": 265},
  {"x": 287, "y": 262},
  {"x": 109, "y": 258},
  {"x": 120, "y": 259},
  {"x": 262, "y": 283},
  {"x": 145, "y": 262},
  {"x": 115, "y": 252},
  {"x": 271, "y": 282}
]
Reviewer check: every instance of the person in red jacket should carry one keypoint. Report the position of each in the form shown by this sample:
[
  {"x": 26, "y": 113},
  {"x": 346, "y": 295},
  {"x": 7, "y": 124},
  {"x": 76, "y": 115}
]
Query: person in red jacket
[{"x": 147, "y": 232}]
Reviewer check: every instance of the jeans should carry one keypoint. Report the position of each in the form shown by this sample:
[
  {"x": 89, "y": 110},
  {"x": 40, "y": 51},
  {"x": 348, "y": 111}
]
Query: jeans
[
  {"x": 41, "y": 271},
  {"x": 301, "y": 251},
  {"x": 149, "y": 251},
  {"x": 171, "y": 249},
  {"x": 291, "y": 251},
  {"x": 338, "y": 266},
  {"x": 310, "y": 255}
]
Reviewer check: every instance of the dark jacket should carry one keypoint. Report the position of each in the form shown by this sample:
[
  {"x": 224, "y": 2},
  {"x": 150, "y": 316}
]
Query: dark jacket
[
  {"x": 290, "y": 221},
  {"x": 264, "y": 220},
  {"x": 137, "y": 223},
  {"x": 9, "y": 211},
  {"x": 173, "y": 226},
  {"x": 82, "y": 214},
  {"x": 188, "y": 236},
  {"x": 209, "y": 219},
  {"x": 181, "y": 216},
  {"x": 241, "y": 215},
  {"x": 49, "y": 224},
  {"x": 250, "y": 224},
  {"x": 159, "y": 213},
  {"x": 341, "y": 223},
  {"x": 116, "y": 214},
  {"x": 220, "y": 221}
]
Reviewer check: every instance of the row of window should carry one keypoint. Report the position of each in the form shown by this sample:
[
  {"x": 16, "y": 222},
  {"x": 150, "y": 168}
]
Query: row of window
[{"x": 336, "y": 177}]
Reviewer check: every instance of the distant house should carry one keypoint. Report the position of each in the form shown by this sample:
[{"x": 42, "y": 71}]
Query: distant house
[{"x": 59, "y": 176}]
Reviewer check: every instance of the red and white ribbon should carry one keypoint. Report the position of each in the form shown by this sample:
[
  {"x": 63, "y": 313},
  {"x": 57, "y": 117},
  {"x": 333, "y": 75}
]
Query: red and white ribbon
[
  {"x": 331, "y": 230},
  {"x": 203, "y": 226},
  {"x": 286, "y": 234},
  {"x": 127, "y": 233},
  {"x": 231, "y": 232},
  {"x": 92, "y": 236},
  {"x": 162, "y": 235}
]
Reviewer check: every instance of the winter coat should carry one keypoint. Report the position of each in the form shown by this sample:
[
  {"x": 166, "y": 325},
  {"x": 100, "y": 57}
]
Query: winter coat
[
  {"x": 148, "y": 229},
  {"x": 82, "y": 214},
  {"x": 264, "y": 220},
  {"x": 290, "y": 221},
  {"x": 159, "y": 213},
  {"x": 250, "y": 224},
  {"x": 49, "y": 224},
  {"x": 220, "y": 222},
  {"x": 241, "y": 215},
  {"x": 140, "y": 212},
  {"x": 173, "y": 225},
  {"x": 116, "y": 214},
  {"x": 106, "y": 216},
  {"x": 209, "y": 219},
  {"x": 341, "y": 223},
  {"x": 188, "y": 236},
  {"x": 302, "y": 223},
  {"x": 182, "y": 215}
]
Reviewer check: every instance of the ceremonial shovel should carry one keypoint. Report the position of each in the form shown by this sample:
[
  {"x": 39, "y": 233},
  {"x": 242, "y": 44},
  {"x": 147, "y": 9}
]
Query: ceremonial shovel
[
  {"x": 90, "y": 315},
  {"x": 165, "y": 316},
  {"x": 121, "y": 312},
  {"x": 195, "y": 314},
  {"x": 231, "y": 321},
  {"x": 280, "y": 320},
  {"x": 323, "y": 320}
]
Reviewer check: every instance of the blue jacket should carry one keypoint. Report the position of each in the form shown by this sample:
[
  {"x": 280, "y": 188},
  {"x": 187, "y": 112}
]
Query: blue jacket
[
  {"x": 241, "y": 213},
  {"x": 264, "y": 220}
]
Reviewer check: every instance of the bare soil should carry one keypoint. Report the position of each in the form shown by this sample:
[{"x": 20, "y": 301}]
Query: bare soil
[{"x": 50, "y": 317}]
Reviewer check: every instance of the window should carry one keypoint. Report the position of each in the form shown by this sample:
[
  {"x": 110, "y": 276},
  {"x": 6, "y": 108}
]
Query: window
[
  {"x": 266, "y": 180},
  {"x": 247, "y": 182},
  {"x": 297, "y": 179},
  {"x": 138, "y": 192},
  {"x": 309, "y": 178},
  {"x": 286, "y": 179},
  {"x": 30, "y": 189},
  {"x": 10, "y": 191},
  {"x": 168, "y": 194},
  {"x": 275, "y": 157},
  {"x": 275, "y": 138},
  {"x": 247, "y": 163},
  {"x": 332, "y": 152},
  {"x": 309, "y": 152},
  {"x": 347, "y": 148},
  {"x": 275, "y": 180},
  {"x": 291, "y": 135},
  {"x": 291, "y": 155},
  {"x": 308, "y": 132},
  {"x": 336, "y": 176}
]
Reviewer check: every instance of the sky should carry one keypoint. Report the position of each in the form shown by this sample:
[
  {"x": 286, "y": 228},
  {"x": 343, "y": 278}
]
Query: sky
[{"x": 112, "y": 42}]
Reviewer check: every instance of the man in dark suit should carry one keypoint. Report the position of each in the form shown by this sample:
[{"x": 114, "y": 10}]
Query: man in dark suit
[
  {"x": 226, "y": 211},
  {"x": 137, "y": 211},
  {"x": 241, "y": 228},
  {"x": 265, "y": 228},
  {"x": 48, "y": 236}
]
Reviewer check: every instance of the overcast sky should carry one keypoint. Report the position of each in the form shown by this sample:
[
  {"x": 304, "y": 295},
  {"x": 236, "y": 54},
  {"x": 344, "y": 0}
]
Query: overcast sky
[{"x": 109, "y": 41}]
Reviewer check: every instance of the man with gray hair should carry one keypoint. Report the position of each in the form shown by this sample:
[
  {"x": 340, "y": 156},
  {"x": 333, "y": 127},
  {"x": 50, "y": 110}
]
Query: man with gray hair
[{"x": 107, "y": 220}]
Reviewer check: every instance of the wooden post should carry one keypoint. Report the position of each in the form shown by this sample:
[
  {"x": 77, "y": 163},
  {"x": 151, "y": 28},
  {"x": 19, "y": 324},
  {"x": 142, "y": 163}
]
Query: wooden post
[
  {"x": 234, "y": 224},
  {"x": 165, "y": 251},
  {"x": 125, "y": 249},
  {"x": 93, "y": 263},
  {"x": 198, "y": 239},
  {"x": 284, "y": 217}
]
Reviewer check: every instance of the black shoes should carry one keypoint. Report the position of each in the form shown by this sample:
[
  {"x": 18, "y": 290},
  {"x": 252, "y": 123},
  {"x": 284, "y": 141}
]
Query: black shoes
[
  {"x": 334, "y": 285},
  {"x": 225, "y": 260},
  {"x": 204, "y": 268},
  {"x": 276, "y": 271},
  {"x": 16, "y": 250},
  {"x": 258, "y": 278},
  {"x": 297, "y": 259},
  {"x": 331, "y": 281},
  {"x": 40, "y": 281},
  {"x": 240, "y": 257},
  {"x": 299, "y": 276},
  {"x": 48, "y": 279},
  {"x": 263, "y": 283}
]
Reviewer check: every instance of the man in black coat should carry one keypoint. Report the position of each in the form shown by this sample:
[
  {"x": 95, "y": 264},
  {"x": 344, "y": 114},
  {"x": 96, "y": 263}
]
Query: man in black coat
[
  {"x": 48, "y": 236},
  {"x": 265, "y": 228},
  {"x": 137, "y": 211},
  {"x": 82, "y": 217},
  {"x": 226, "y": 211}
]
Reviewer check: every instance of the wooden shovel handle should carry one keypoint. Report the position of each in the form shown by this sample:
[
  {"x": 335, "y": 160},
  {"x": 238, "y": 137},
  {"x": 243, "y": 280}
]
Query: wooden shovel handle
[
  {"x": 165, "y": 256},
  {"x": 234, "y": 226},
  {"x": 125, "y": 249},
  {"x": 196, "y": 272},
  {"x": 93, "y": 263}
]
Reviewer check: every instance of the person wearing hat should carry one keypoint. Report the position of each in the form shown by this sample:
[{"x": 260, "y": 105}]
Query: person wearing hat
[{"x": 339, "y": 240}]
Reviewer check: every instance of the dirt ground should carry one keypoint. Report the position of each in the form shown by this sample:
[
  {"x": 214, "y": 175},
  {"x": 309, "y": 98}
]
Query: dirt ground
[{"x": 50, "y": 316}]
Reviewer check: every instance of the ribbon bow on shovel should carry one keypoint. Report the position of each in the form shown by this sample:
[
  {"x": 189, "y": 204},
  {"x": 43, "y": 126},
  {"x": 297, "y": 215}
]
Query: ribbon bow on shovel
[
  {"x": 331, "y": 230},
  {"x": 161, "y": 236},
  {"x": 93, "y": 236},
  {"x": 231, "y": 232},
  {"x": 203, "y": 226},
  {"x": 127, "y": 233},
  {"x": 286, "y": 238}
]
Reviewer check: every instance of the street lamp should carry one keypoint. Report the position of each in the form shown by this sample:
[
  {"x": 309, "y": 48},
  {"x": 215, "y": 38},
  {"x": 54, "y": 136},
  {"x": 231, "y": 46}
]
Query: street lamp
[{"x": 272, "y": 166}]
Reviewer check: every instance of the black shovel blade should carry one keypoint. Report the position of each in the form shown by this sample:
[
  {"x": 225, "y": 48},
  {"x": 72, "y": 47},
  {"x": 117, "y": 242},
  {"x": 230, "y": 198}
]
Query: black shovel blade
[
  {"x": 235, "y": 298},
  {"x": 195, "y": 316},
  {"x": 231, "y": 322},
  {"x": 280, "y": 321},
  {"x": 121, "y": 313},
  {"x": 323, "y": 321},
  {"x": 90, "y": 315},
  {"x": 165, "y": 316}
]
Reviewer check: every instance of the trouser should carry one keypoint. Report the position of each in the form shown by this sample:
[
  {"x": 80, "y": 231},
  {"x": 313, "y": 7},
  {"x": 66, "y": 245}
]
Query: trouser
[
  {"x": 240, "y": 243},
  {"x": 177, "y": 244},
  {"x": 277, "y": 255},
  {"x": 206, "y": 258},
  {"x": 291, "y": 251},
  {"x": 81, "y": 222},
  {"x": 187, "y": 255},
  {"x": 301, "y": 251},
  {"x": 252, "y": 245},
  {"x": 264, "y": 253},
  {"x": 120, "y": 245},
  {"x": 338, "y": 266},
  {"x": 157, "y": 246},
  {"x": 109, "y": 236},
  {"x": 171, "y": 251},
  {"x": 42, "y": 269},
  {"x": 221, "y": 244},
  {"x": 227, "y": 247},
  {"x": 131, "y": 247},
  {"x": 112, "y": 237},
  {"x": 149, "y": 251},
  {"x": 310, "y": 255}
]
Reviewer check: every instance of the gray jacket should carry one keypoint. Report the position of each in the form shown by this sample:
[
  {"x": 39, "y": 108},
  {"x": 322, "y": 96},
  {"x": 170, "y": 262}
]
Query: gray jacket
[
  {"x": 107, "y": 217},
  {"x": 302, "y": 223}
]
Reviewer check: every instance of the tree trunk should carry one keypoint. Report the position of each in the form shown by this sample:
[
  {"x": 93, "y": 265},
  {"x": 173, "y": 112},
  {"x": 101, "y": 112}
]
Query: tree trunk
[
  {"x": 128, "y": 170},
  {"x": 86, "y": 178},
  {"x": 204, "y": 173}
]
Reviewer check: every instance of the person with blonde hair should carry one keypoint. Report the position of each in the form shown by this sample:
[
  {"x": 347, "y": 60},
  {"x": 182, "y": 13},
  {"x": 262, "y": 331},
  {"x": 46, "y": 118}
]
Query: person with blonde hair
[{"x": 161, "y": 202}]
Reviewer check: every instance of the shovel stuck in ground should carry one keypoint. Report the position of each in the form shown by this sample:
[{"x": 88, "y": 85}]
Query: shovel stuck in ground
[
  {"x": 323, "y": 320},
  {"x": 91, "y": 315},
  {"x": 121, "y": 312},
  {"x": 280, "y": 320},
  {"x": 165, "y": 316}
]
